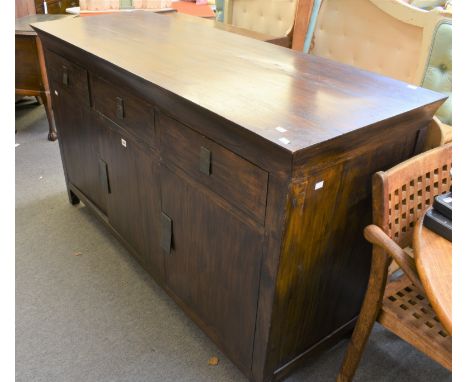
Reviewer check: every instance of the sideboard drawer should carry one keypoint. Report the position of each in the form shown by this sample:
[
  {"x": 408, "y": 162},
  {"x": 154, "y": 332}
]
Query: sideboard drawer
[
  {"x": 67, "y": 77},
  {"x": 233, "y": 178},
  {"x": 130, "y": 112}
]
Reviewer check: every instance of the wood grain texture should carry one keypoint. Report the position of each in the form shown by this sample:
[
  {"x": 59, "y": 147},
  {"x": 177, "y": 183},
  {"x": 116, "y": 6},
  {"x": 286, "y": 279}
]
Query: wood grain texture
[
  {"x": 317, "y": 248},
  {"x": 232, "y": 177},
  {"x": 137, "y": 116},
  {"x": 315, "y": 99},
  {"x": 407, "y": 313},
  {"x": 27, "y": 68},
  {"x": 301, "y": 23},
  {"x": 433, "y": 256},
  {"x": 215, "y": 275},
  {"x": 133, "y": 203},
  {"x": 248, "y": 248},
  {"x": 67, "y": 77},
  {"x": 399, "y": 197},
  {"x": 79, "y": 139}
]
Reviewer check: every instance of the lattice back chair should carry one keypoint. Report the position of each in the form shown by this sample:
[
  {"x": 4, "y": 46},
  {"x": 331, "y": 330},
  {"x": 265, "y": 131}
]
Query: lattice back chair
[{"x": 400, "y": 196}]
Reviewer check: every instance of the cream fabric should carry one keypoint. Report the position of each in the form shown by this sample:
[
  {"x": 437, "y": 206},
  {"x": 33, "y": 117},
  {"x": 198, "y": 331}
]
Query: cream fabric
[
  {"x": 273, "y": 17},
  {"x": 360, "y": 34},
  {"x": 438, "y": 75}
]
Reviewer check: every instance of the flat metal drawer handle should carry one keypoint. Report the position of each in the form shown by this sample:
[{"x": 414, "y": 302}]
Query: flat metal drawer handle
[
  {"x": 205, "y": 161},
  {"x": 65, "y": 78},
  {"x": 166, "y": 233},
  {"x": 119, "y": 108}
]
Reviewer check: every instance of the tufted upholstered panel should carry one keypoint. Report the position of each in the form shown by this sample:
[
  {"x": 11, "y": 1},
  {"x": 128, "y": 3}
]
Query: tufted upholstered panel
[
  {"x": 438, "y": 75},
  {"x": 377, "y": 41},
  {"x": 273, "y": 17}
]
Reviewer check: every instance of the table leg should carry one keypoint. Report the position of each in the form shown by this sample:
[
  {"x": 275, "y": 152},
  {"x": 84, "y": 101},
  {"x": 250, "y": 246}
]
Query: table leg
[{"x": 50, "y": 116}]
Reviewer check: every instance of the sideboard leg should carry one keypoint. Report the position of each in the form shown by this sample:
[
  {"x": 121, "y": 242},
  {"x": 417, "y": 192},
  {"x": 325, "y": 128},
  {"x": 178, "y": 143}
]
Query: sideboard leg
[{"x": 73, "y": 199}]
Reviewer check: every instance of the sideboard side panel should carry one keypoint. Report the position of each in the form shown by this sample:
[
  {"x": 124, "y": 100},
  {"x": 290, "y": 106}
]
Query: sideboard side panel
[{"x": 325, "y": 261}]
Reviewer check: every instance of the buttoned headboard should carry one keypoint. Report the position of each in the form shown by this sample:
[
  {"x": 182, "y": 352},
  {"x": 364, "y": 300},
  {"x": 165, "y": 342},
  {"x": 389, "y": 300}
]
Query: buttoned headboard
[
  {"x": 389, "y": 37},
  {"x": 273, "y": 17}
]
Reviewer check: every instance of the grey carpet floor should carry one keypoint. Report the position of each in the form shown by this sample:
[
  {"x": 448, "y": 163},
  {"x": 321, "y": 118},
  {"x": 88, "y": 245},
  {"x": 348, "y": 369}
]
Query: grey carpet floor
[{"x": 98, "y": 316}]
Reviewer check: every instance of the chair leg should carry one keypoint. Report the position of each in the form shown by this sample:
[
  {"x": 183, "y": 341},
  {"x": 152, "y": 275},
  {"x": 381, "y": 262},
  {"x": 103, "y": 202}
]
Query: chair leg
[
  {"x": 369, "y": 312},
  {"x": 50, "y": 116}
]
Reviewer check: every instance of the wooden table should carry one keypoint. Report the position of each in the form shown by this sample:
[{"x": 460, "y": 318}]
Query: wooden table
[
  {"x": 30, "y": 72},
  {"x": 237, "y": 172},
  {"x": 433, "y": 255}
]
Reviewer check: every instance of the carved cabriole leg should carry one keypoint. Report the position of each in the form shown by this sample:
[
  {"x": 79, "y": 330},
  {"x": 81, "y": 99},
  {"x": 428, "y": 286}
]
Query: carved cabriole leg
[
  {"x": 45, "y": 95},
  {"x": 50, "y": 116},
  {"x": 369, "y": 312}
]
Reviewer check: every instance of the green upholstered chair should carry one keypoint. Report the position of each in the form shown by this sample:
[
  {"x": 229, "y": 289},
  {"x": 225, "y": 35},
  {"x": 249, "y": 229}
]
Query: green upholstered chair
[
  {"x": 220, "y": 10},
  {"x": 428, "y": 4},
  {"x": 438, "y": 75}
]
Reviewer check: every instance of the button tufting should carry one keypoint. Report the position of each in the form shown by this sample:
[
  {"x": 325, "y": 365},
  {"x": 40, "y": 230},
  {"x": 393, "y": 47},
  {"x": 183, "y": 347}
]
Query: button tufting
[{"x": 443, "y": 67}]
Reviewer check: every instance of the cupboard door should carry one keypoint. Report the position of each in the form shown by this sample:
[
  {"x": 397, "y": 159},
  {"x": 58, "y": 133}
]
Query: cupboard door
[
  {"x": 212, "y": 262},
  {"x": 79, "y": 139},
  {"x": 133, "y": 202}
]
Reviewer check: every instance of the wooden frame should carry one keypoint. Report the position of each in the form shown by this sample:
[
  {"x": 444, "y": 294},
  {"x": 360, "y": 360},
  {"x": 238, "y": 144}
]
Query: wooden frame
[
  {"x": 428, "y": 21},
  {"x": 301, "y": 23},
  {"x": 398, "y": 9},
  {"x": 400, "y": 197}
]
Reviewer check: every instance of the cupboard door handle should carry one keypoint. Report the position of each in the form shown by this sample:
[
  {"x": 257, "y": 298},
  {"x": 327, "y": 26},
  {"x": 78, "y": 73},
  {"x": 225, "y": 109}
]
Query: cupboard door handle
[
  {"x": 65, "y": 80},
  {"x": 119, "y": 105},
  {"x": 166, "y": 233},
  {"x": 104, "y": 176},
  {"x": 205, "y": 161}
]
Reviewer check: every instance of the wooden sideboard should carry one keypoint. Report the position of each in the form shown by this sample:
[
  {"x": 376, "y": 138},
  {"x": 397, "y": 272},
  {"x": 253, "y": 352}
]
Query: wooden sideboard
[{"x": 237, "y": 172}]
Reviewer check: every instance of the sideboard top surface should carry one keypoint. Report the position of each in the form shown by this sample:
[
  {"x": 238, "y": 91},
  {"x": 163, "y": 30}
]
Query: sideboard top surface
[{"x": 258, "y": 86}]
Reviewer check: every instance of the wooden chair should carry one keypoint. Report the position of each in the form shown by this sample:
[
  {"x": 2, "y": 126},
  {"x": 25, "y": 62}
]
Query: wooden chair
[
  {"x": 275, "y": 18},
  {"x": 397, "y": 301}
]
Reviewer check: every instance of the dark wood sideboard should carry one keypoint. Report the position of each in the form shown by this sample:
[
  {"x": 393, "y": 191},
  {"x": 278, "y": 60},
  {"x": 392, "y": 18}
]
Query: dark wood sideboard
[{"x": 237, "y": 172}]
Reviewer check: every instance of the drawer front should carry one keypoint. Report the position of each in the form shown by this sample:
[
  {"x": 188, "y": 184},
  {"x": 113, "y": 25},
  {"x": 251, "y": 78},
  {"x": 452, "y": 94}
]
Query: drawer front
[
  {"x": 238, "y": 181},
  {"x": 67, "y": 77},
  {"x": 131, "y": 113}
]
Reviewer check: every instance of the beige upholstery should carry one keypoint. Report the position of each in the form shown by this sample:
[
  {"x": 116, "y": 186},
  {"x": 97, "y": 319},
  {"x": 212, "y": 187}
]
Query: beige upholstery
[
  {"x": 389, "y": 37},
  {"x": 392, "y": 38},
  {"x": 102, "y": 5},
  {"x": 273, "y": 17},
  {"x": 438, "y": 75},
  {"x": 363, "y": 42}
]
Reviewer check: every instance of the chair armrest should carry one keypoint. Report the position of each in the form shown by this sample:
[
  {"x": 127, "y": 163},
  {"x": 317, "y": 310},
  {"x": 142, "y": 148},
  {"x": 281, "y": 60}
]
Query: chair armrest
[
  {"x": 446, "y": 133},
  {"x": 377, "y": 236},
  {"x": 438, "y": 134}
]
